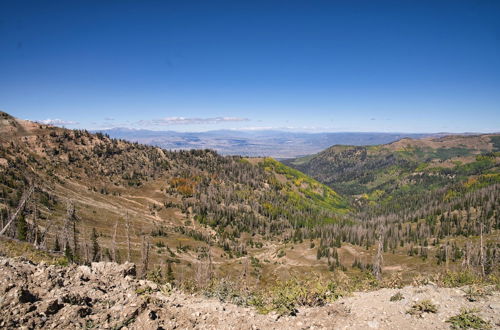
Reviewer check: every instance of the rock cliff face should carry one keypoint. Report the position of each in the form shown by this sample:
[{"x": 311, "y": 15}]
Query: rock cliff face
[{"x": 109, "y": 296}]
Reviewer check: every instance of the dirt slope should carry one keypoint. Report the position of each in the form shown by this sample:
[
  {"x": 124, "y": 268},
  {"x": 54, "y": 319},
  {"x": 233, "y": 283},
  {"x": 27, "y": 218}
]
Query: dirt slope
[{"x": 108, "y": 296}]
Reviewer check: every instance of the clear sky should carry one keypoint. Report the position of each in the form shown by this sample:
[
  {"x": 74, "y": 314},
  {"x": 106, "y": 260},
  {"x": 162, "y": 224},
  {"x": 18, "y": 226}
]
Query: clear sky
[{"x": 401, "y": 66}]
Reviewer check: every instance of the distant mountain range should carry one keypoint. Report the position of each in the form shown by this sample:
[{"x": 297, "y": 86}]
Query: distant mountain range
[{"x": 278, "y": 144}]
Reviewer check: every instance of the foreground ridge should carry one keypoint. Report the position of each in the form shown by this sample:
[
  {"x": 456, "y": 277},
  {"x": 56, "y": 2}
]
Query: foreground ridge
[{"x": 109, "y": 296}]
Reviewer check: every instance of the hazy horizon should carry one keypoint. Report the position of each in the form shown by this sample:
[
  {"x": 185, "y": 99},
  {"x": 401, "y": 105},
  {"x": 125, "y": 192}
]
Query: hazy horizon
[
  {"x": 340, "y": 66},
  {"x": 283, "y": 130}
]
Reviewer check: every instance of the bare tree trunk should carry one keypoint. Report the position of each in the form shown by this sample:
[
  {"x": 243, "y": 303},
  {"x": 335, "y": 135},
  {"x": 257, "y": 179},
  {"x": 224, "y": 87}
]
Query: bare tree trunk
[
  {"x": 181, "y": 277},
  {"x": 35, "y": 226},
  {"x": 145, "y": 255},
  {"x": 446, "y": 256},
  {"x": 379, "y": 258},
  {"x": 245, "y": 272},
  {"x": 127, "y": 225},
  {"x": 75, "y": 239},
  {"x": 210, "y": 265},
  {"x": 114, "y": 241},
  {"x": 481, "y": 252},
  {"x": 43, "y": 237},
  {"x": 9, "y": 213},
  {"x": 85, "y": 246},
  {"x": 466, "y": 261},
  {"x": 201, "y": 274},
  {"x": 23, "y": 200},
  {"x": 70, "y": 212}
]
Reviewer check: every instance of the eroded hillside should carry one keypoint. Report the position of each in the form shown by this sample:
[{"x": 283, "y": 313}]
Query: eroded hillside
[{"x": 97, "y": 198}]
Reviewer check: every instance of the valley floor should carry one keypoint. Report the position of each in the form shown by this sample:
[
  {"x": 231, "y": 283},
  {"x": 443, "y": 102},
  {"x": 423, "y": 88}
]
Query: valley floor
[{"x": 108, "y": 296}]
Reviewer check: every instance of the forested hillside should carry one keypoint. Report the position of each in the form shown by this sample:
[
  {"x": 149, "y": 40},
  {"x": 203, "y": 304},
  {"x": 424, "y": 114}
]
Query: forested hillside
[
  {"x": 407, "y": 208},
  {"x": 96, "y": 198},
  {"x": 419, "y": 192}
]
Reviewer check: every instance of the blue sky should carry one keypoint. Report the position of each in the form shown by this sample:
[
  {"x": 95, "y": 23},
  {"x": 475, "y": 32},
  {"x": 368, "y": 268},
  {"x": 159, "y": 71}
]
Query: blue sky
[{"x": 401, "y": 66}]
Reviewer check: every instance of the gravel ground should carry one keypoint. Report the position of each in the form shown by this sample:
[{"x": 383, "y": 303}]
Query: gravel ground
[{"x": 108, "y": 296}]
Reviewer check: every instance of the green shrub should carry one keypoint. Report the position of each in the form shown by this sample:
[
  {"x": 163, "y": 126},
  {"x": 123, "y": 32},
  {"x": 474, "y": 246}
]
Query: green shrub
[
  {"x": 420, "y": 307},
  {"x": 456, "y": 279},
  {"x": 397, "y": 297},
  {"x": 156, "y": 275},
  {"x": 361, "y": 281},
  {"x": 160, "y": 244},
  {"x": 143, "y": 290},
  {"x": 475, "y": 293},
  {"x": 227, "y": 291},
  {"x": 62, "y": 261},
  {"x": 286, "y": 296},
  {"x": 494, "y": 279},
  {"x": 467, "y": 319}
]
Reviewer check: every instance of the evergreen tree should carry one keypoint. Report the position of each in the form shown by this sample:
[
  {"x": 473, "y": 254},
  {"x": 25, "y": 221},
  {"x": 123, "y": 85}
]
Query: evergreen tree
[
  {"x": 22, "y": 228},
  {"x": 57, "y": 245}
]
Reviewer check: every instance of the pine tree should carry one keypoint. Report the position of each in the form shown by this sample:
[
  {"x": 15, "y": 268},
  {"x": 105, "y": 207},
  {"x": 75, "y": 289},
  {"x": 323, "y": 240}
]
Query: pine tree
[
  {"x": 22, "y": 228},
  {"x": 57, "y": 245}
]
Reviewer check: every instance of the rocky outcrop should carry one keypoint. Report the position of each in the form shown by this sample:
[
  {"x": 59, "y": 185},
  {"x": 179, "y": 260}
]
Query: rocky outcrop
[{"x": 108, "y": 296}]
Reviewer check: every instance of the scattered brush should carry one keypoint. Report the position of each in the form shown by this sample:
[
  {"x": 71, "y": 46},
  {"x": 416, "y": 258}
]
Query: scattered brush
[
  {"x": 227, "y": 291},
  {"x": 285, "y": 297},
  {"x": 395, "y": 281},
  {"x": 421, "y": 280},
  {"x": 461, "y": 278},
  {"x": 421, "y": 307},
  {"x": 475, "y": 293},
  {"x": 397, "y": 297},
  {"x": 467, "y": 319}
]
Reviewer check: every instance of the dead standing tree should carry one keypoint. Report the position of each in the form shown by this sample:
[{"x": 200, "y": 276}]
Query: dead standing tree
[
  {"x": 210, "y": 264},
  {"x": 127, "y": 225},
  {"x": 70, "y": 225},
  {"x": 379, "y": 258},
  {"x": 203, "y": 275},
  {"x": 26, "y": 195},
  {"x": 113, "y": 246},
  {"x": 33, "y": 231},
  {"x": 67, "y": 222},
  {"x": 481, "y": 251},
  {"x": 42, "y": 237},
  {"x": 145, "y": 255},
  {"x": 86, "y": 246}
]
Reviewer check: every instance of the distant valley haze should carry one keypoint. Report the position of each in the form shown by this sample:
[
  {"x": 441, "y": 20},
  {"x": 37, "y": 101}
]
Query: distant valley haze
[{"x": 278, "y": 144}]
